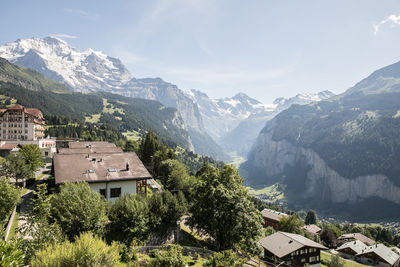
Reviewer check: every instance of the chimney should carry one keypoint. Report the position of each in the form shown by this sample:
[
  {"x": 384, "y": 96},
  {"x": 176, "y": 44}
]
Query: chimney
[{"x": 127, "y": 166}]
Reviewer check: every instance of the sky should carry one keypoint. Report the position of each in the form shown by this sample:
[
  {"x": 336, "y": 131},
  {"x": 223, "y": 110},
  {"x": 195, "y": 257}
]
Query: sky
[{"x": 264, "y": 48}]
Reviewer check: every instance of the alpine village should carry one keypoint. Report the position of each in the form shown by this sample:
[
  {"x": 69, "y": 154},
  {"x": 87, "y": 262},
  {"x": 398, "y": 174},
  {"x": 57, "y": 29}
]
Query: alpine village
[{"x": 99, "y": 168}]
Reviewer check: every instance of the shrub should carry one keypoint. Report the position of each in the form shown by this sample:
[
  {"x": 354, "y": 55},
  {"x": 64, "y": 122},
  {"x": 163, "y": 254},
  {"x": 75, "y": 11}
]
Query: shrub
[
  {"x": 87, "y": 250},
  {"x": 78, "y": 209},
  {"x": 9, "y": 198}
]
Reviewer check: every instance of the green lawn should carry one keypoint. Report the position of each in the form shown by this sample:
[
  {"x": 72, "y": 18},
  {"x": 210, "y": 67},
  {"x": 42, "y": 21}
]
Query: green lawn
[
  {"x": 93, "y": 118},
  {"x": 272, "y": 191},
  {"x": 14, "y": 226},
  {"x": 347, "y": 263}
]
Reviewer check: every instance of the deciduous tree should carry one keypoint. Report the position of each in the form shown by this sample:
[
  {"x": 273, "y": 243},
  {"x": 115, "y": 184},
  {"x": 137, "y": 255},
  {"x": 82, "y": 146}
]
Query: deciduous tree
[
  {"x": 78, "y": 209},
  {"x": 222, "y": 208}
]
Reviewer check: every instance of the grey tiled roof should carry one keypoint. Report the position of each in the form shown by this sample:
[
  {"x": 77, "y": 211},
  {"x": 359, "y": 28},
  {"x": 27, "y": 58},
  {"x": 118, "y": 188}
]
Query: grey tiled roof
[
  {"x": 282, "y": 243},
  {"x": 383, "y": 252}
]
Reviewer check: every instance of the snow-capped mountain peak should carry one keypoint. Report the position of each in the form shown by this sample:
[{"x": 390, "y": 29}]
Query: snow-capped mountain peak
[{"x": 84, "y": 71}]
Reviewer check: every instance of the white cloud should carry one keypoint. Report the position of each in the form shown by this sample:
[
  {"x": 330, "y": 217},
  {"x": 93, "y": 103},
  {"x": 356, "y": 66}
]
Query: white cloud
[
  {"x": 392, "y": 19},
  {"x": 63, "y": 35},
  {"x": 81, "y": 13}
]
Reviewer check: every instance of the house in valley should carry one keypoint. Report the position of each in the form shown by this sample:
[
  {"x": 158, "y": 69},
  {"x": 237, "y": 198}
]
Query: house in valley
[
  {"x": 286, "y": 249},
  {"x": 111, "y": 173},
  {"x": 356, "y": 236},
  {"x": 350, "y": 249},
  {"x": 312, "y": 229},
  {"x": 272, "y": 217},
  {"x": 379, "y": 255}
]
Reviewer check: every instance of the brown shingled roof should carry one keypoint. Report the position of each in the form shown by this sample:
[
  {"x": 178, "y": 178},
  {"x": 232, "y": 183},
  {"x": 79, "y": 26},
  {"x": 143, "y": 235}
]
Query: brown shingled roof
[
  {"x": 272, "y": 214},
  {"x": 2, "y": 110},
  {"x": 8, "y": 146},
  {"x": 90, "y": 144},
  {"x": 282, "y": 243},
  {"x": 34, "y": 111},
  {"x": 357, "y": 236},
  {"x": 87, "y": 150},
  {"x": 311, "y": 228},
  {"x": 17, "y": 107},
  {"x": 98, "y": 167}
]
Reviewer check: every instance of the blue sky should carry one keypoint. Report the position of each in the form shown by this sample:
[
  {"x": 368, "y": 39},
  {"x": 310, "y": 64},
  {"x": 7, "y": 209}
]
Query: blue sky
[{"x": 266, "y": 49}]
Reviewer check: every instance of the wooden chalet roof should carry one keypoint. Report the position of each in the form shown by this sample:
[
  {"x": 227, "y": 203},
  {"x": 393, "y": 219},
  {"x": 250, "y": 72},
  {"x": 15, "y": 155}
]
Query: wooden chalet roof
[
  {"x": 89, "y": 150},
  {"x": 272, "y": 215},
  {"x": 312, "y": 228},
  {"x": 357, "y": 246},
  {"x": 90, "y": 144},
  {"x": 383, "y": 252},
  {"x": 357, "y": 236},
  {"x": 281, "y": 243},
  {"x": 98, "y": 167}
]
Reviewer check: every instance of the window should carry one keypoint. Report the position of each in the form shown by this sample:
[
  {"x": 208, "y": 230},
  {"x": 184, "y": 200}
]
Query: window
[
  {"x": 103, "y": 192},
  {"x": 115, "y": 192},
  {"x": 312, "y": 259},
  {"x": 26, "y": 131},
  {"x": 303, "y": 260}
]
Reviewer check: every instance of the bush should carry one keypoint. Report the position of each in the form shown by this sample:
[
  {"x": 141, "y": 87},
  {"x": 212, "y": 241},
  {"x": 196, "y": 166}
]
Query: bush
[
  {"x": 129, "y": 217},
  {"x": 78, "y": 209},
  {"x": 224, "y": 258},
  {"x": 9, "y": 198},
  {"x": 11, "y": 254},
  {"x": 170, "y": 256},
  {"x": 87, "y": 250}
]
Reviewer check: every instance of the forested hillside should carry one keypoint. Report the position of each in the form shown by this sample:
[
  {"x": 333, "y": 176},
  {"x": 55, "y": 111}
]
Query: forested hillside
[{"x": 129, "y": 114}]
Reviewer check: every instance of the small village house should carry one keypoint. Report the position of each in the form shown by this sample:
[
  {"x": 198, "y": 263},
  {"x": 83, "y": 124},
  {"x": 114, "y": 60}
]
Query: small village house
[
  {"x": 312, "y": 229},
  {"x": 272, "y": 217},
  {"x": 286, "y": 249},
  {"x": 379, "y": 255},
  {"x": 106, "y": 169},
  {"x": 349, "y": 250},
  {"x": 356, "y": 236}
]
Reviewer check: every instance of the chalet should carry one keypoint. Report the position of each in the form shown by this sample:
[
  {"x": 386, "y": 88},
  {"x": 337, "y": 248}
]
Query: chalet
[
  {"x": 112, "y": 174},
  {"x": 312, "y": 229},
  {"x": 89, "y": 148},
  {"x": 356, "y": 236},
  {"x": 7, "y": 149},
  {"x": 287, "y": 249},
  {"x": 272, "y": 217},
  {"x": 379, "y": 255},
  {"x": 350, "y": 249}
]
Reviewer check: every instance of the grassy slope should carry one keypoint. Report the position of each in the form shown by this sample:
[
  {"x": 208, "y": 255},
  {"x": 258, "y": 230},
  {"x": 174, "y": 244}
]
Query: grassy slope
[{"x": 29, "y": 78}]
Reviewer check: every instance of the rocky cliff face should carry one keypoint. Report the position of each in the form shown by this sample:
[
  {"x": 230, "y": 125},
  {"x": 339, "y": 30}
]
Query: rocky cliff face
[{"x": 272, "y": 158}]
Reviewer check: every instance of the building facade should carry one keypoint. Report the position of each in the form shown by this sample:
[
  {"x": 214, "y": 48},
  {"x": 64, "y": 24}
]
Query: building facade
[
  {"x": 21, "y": 124},
  {"x": 286, "y": 249}
]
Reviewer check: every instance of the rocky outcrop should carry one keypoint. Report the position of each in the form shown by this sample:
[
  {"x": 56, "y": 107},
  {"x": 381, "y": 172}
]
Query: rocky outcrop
[{"x": 272, "y": 158}]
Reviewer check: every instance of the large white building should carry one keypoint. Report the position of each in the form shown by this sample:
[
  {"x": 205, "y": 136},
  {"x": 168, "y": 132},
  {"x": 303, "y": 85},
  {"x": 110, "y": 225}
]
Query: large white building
[{"x": 23, "y": 126}]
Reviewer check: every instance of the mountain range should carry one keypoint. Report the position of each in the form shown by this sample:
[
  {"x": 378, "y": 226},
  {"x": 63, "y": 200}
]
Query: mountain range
[
  {"x": 341, "y": 153},
  {"x": 211, "y": 123},
  {"x": 93, "y": 71}
]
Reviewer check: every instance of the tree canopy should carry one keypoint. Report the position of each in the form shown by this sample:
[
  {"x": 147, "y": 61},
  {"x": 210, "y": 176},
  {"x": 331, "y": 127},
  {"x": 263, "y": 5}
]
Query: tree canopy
[
  {"x": 77, "y": 209},
  {"x": 9, "y": 198},
  {"x": 311, "y": 217},
  {"x": 222, "y": 208}
]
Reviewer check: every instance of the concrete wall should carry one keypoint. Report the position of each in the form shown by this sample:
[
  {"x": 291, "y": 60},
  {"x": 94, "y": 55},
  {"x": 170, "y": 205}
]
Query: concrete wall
[{"x": 127, "y": 187}]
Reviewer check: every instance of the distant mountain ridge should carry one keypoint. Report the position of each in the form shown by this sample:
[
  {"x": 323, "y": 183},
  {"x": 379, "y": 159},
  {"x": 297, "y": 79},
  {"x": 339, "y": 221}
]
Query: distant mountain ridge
[
  {"x": 32, "y": 89},
  {"x": 93, "y": 71},
  {"x": 342, "y": 152},
  {"x": 235, "y": 122}
]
